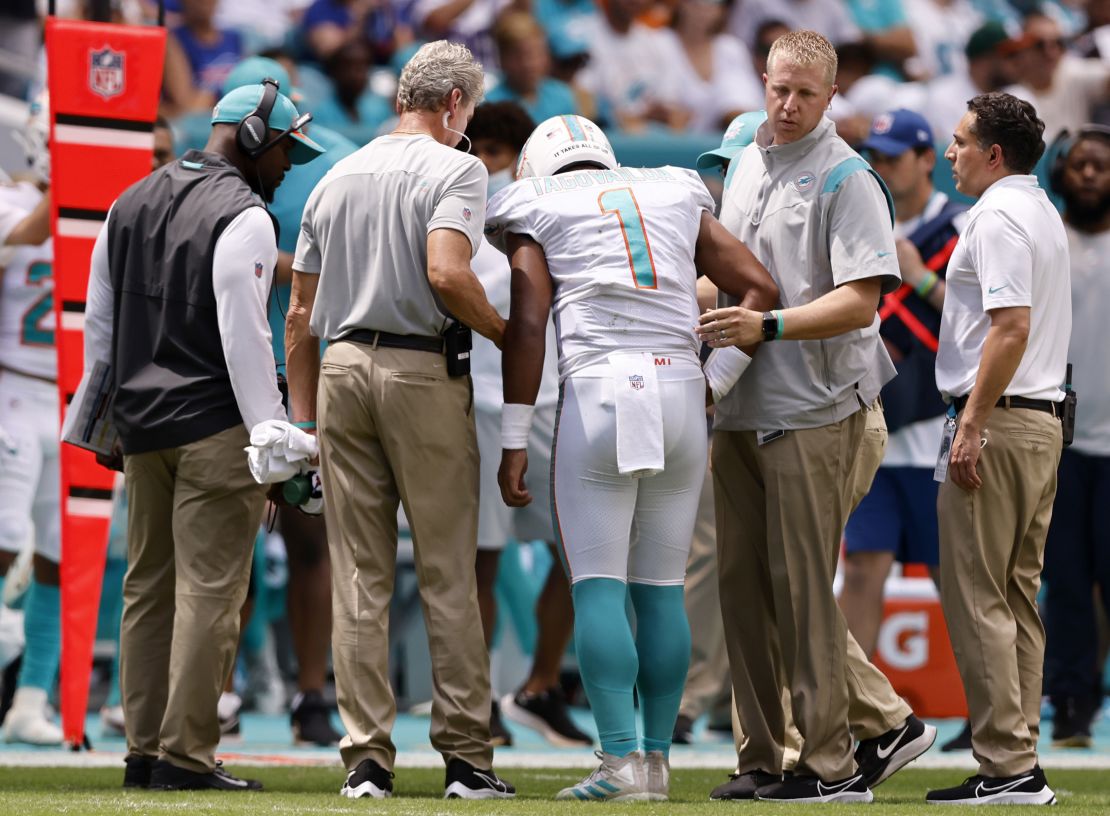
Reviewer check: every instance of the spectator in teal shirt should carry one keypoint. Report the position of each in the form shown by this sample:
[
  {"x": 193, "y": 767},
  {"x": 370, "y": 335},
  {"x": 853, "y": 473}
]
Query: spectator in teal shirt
[
  {"x": 526, "y": 67},
  {"x": 352, "y": 108},
  {"x": 887, "y": 31}
]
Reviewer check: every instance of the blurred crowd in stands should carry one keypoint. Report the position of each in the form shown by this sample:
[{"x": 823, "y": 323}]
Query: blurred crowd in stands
[{"x": 638, "y": 66}]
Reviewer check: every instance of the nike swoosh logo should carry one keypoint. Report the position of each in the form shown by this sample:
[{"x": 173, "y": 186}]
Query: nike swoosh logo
[
  {"x": 826, "y": 790},
  {"x": 992, "y": 290},
  {"x": 491, "y": 781},
  {"x": 1001, "y": 788},
  {"x": 885, "y": 752}
]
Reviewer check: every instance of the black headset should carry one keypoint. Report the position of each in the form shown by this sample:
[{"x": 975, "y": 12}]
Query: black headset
[
  {"x": 1063, "y": 144},
  {"x": 255, "y": 126}
]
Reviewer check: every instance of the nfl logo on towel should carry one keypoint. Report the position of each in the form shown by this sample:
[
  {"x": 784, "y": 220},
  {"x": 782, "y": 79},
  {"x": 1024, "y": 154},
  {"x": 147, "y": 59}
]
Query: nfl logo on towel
[
  {"x": 637, "y": 382},
  {"x": 106, "y": 72}
]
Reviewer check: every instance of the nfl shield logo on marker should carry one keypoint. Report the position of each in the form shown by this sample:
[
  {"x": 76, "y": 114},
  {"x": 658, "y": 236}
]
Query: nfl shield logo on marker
[
  {"x": 637, "y": 382},
  {"x": 106, "y": 72}
]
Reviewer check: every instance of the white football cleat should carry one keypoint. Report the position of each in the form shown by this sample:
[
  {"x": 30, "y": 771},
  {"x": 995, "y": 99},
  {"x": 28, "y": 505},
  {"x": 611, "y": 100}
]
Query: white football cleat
[
  {"x": 27, "y": 721},
  {"x": 657, "y": 776},
  {"x": 617, "y": 779}
]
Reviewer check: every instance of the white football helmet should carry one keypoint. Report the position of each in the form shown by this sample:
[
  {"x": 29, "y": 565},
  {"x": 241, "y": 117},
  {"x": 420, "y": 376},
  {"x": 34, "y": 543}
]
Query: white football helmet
[
  {"x": 35, "y": 136},
  {"x": 563, "y": 140}
]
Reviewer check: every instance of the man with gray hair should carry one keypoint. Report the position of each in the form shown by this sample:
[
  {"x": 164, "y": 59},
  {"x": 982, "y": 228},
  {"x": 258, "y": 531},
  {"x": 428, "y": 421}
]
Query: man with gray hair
[{"x": 382, "y": 272}]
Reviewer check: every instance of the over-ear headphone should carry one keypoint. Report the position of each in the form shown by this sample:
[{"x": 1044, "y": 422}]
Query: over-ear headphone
[
  {"x": 1061, "y": 146},
  {"x": 255, "y": 126}
]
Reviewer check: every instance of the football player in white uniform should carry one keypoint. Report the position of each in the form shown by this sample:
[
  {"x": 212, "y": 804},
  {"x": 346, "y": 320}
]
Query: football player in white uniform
[
  {"x": 615, "y": 252},
  {"x": 29, "y": 470},
  {"x": 498, "y": 132}
]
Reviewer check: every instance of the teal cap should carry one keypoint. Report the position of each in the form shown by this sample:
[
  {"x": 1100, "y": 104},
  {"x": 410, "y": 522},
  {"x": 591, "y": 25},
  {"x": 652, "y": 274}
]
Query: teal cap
[
  {"x": 740, "y": 134},
  {"x": 237, "y": 103}
]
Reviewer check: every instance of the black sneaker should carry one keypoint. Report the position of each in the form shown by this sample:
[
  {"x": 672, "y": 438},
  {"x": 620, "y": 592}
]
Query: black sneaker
[
  {"x": 811, "y": 789},
  {"x": 167, "y": 776},
  {"x": 368, "y": 779},
  {"x": 137, "y": 772},
  {"x": 310, "y": 718},
  {"x": 885, "y": 755},
  {"x": 960, "y": 742},
  {"x": 683, "y": 731},
  {"x": 744, "y": 786},
  {"x": 499, "y": 735},
  {"x": 548, "y": 714},
  {"x": 464, "y": 781},
  {"x": 1024, "y": 789},
  {"x": 1071, "y": 723}
]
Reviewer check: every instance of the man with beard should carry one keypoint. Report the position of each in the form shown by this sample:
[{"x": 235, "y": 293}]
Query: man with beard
[{"x": 1077, "y": 553}]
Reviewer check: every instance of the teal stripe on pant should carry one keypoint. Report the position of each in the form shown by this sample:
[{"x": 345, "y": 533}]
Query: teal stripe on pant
[
  {"x": 42, "y": 629},
  {"x": 607, "y": 659},
  {"x": 663, "y": 646}
]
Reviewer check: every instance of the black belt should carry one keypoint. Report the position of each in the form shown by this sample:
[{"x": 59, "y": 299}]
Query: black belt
[
  {"x": 1048, "y": 406},
  {"x": 416, "y": 342}
]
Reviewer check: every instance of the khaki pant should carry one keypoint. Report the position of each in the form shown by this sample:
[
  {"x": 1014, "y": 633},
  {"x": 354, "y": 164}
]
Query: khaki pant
[
  {"x": 395, "y": 428},
  {"x": 193, "y": 513},
  {"x": 781, "y": 509},
  {"x": 991, "y": 553},
  {"x": 707, "y": 682}
]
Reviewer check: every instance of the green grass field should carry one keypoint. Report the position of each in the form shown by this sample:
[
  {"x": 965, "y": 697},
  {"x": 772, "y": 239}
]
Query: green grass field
[{"x": 418, "y": 792}]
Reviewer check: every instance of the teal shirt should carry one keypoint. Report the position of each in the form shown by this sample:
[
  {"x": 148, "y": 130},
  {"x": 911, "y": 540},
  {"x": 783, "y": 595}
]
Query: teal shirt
[
  {"x": 554, "y": 98},
  {"x": 372, "y": 109},
  {"x": 288, "y": 205},
  {"x": 879, "y": 15}
]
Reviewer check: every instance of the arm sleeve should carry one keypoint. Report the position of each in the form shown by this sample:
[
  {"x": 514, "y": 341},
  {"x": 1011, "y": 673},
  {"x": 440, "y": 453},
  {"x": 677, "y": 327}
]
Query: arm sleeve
[
  {"x": 242, "y": 269},
  {"x": 99, "y": 302},
  {"x": 1003, "y": 254},
  {"x": 306, "y": 257},
  {"x": 462, "y": 205},
  {"x": 861, "y": 240}
]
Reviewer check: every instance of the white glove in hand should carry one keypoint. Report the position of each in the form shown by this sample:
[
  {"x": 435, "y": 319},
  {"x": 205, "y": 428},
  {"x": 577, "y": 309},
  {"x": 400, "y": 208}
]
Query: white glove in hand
[{"x": 723, "y": 369}]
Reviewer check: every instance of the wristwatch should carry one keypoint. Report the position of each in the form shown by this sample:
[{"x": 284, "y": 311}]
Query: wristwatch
[{"x": 770, "y": 327}]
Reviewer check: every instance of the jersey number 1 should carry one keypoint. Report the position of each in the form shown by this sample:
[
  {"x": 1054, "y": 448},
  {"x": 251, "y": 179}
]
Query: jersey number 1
[
  {"x": 33, "y": 333},
  {"x": 622, "y": 204}
]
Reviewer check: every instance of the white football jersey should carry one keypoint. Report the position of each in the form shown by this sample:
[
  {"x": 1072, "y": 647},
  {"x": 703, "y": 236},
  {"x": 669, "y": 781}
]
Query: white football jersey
[
  {"x": 27, "y": 296},
  {"x": 620, "y": 249}
]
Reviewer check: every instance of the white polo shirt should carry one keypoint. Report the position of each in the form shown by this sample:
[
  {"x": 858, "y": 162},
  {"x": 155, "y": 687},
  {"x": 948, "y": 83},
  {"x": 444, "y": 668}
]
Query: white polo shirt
[{"x": 1014, "y": 252}]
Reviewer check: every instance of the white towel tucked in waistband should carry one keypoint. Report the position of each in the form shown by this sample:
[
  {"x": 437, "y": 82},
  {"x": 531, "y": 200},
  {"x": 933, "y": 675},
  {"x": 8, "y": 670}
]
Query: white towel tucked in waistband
[
  {"x": 279, "y": 451},
  {"x": 639, "y": 414}
]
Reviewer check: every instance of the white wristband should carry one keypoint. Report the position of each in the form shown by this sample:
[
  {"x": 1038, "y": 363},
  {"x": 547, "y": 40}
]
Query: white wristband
[
  {"x": 723, "y": 369},
  {"x": 516, "y": 423}
]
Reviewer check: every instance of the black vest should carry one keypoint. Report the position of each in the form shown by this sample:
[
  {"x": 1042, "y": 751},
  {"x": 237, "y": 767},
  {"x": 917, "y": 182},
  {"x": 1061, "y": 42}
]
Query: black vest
[{"x": 172, "y": 384}]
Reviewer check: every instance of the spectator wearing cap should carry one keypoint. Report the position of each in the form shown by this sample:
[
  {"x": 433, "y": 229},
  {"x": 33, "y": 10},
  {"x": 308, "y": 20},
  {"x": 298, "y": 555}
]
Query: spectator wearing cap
[
  {"x": 1061, "y": 86},
  {"x": 525, "y": 59},
  {"x": 896, "y": 520},
  {"x": 990, "y": 67},
  {"x": 180, "y": 275}
]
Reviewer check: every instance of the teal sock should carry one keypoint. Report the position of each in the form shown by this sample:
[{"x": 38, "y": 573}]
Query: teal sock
[
  {"x": 663, "y": 648},
  {"x": 607, "y": 660},
  {"x": 41, "y": 627}
]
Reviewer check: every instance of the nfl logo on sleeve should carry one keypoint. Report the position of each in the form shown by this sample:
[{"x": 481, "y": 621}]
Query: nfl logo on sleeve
[
  {"x": 258, "y": 269},
  {"x": 106, "y": 72}
]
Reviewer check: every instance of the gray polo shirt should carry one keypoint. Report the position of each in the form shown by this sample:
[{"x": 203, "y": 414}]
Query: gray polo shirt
[
  {"x": 816, "y": 216},
  {"x": 365, "y": 233}
]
